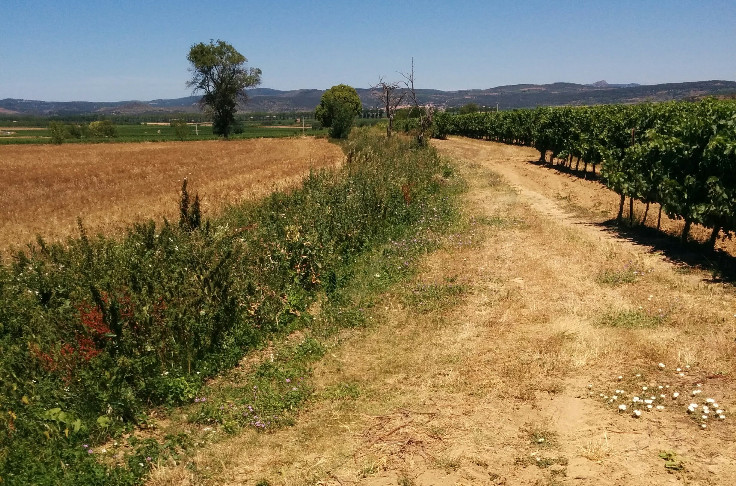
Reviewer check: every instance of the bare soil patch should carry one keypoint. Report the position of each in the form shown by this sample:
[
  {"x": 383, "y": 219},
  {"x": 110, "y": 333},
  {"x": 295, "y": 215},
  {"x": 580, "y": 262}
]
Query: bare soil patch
[
  {"x": 512, "y": 382},
  {"x": 46, "y": 187}
]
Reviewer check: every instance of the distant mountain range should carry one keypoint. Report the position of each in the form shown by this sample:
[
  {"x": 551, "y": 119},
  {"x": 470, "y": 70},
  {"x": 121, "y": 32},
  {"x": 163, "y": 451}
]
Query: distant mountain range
[{"x": 505, "y": 97}]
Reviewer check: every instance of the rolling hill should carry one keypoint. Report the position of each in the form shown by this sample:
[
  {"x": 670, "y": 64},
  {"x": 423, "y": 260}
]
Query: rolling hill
[{"x": 505, "y": 97}]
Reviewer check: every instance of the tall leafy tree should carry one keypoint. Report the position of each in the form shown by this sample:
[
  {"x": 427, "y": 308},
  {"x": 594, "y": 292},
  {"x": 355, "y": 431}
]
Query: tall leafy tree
[
  {"x": 338, "y": 108},
  {"x": 220, "y": 73}
]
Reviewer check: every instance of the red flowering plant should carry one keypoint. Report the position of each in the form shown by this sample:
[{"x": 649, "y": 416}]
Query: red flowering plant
[{"x": 91, "y": 332}]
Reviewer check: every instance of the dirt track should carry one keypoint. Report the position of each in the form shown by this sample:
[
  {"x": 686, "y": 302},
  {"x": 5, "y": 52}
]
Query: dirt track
[{"x": 505, "y": 387}]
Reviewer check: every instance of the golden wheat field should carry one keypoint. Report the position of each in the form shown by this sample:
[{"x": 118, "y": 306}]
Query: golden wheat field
[{"x": 46, "y": 187}]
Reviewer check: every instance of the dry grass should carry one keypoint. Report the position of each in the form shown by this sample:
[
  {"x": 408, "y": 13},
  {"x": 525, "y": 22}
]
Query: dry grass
[
  {"x": 596, "y": 449},
  {"x": 461, "y": 390},
  {"x": 46, "y": 187}
]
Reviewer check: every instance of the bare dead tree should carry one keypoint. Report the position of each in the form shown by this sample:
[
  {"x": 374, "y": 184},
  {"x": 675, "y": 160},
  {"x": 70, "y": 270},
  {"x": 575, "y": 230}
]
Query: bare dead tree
[
  {"x": 426, "y": 112},
  {"x": 390, "y": 95}
]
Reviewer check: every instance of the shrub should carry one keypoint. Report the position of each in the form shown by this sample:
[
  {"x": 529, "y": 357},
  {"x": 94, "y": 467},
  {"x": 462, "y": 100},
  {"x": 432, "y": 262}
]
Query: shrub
[
  {"x": 181, "y": 129},
  {"x": 56, "y": 129},
  {"x": 101, "y": 129},
  {"x": 74, "y": 131}
]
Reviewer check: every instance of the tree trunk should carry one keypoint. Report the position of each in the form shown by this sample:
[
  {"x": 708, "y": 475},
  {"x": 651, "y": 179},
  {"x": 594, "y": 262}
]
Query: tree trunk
[
  {"x": 631, "y": 210},
  {"x": 577, "y": 165},
  {"x": 646, "y": 211},
  {"x": 659, "y": 218},
  {"x": 621, "y": 208},
  {"x": 686, "y": 230},
  {"x": 714, "y": 237},
  {"x": 585, "y": 169}
]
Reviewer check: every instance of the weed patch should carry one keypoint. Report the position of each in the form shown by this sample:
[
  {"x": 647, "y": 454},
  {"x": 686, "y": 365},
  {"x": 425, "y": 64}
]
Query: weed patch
[
  {"x": 428, "y": 297},
  {"x": 540, "y": 436},
  {"x": 631, "y": 319},
  {"x": 342, "y": 391},
  {"x": 616, "y": 277},
  {"x": 672, "y": 462}
]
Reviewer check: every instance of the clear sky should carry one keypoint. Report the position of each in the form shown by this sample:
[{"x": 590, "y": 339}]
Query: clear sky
[{"x": 102, "y": 50}]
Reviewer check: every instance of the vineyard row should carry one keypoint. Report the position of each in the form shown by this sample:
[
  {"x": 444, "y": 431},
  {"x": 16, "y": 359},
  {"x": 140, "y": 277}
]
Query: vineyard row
[{"x": 679, "y": 154}]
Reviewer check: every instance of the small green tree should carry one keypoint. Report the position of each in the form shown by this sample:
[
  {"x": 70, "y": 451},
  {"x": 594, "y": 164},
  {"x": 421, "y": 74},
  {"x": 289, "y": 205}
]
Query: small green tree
[
  {"x": 468, "y": 108},
  {"x": 74, "y": 131},
  {"x": 181, "y": 129},
  {"x": 102, "y": 129},
  {"x": 56, "y": 129},
  {"x": 338, "y": 108},
  {"x": 220, "y": 73}
]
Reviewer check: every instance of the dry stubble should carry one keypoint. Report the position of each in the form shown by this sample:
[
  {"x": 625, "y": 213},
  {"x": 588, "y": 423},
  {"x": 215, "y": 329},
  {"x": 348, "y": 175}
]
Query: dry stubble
[{"x": 46, "y": 187}]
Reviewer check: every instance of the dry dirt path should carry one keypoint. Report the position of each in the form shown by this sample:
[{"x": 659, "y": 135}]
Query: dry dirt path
[{"x": 502, "y": 384}]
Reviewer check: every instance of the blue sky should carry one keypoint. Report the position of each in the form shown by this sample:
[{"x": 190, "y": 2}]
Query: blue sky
[{"x": 121, "y": 50}]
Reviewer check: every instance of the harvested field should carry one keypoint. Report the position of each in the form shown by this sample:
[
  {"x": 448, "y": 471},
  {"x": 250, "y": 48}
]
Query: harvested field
[{"x": 46, "y": 187}]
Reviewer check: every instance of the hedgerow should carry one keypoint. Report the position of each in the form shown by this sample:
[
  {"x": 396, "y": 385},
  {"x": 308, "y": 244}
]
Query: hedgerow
[{"x": 96, "y": 331}]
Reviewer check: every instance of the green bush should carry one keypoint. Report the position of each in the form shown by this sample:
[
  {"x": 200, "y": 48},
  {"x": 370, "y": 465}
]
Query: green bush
[
  {"x": 56, "y": 129},
  {"x": 101, "y": 129},
  {"x": 181, "y": 129}
]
